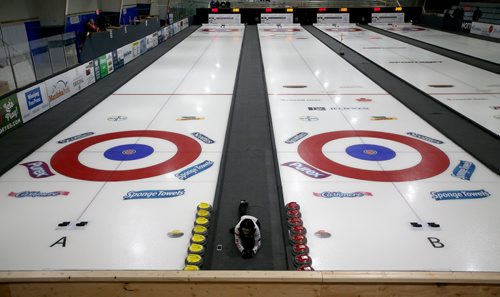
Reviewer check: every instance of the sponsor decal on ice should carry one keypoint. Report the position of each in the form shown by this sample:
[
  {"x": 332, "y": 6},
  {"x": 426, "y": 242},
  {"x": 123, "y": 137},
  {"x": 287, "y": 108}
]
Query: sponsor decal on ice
[
  {"x": 38, "y": 169},
  {"x": 329, "y": 194},
  {"x": 117, "y": 118},
  {"x": 76, "y": 137},
  {"x": 309, "y": 118},
  {"x": 153, "y": 194},
  {"x": 495, "y": 107},
  {"x": 202, "y": 137},
  {"x": 306, "y": 169},
  {"x": 296, "y": 137},
  {"x": 423, "y": 137},
  {"x": 349, "y": 108},
  {"x": 191, "y": 171},
  {"x": 37, "y": 194},
  {"x": 464, "y": 170},
  {"x": 459, "y": 194},
  {"x": 33, "y": 98},
  {"x": 320, "y": 108},
  {"x": 364, "y": 100}
]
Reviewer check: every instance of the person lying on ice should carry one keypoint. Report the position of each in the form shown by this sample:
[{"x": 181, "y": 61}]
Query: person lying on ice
[{"x": 247, "y": 232}]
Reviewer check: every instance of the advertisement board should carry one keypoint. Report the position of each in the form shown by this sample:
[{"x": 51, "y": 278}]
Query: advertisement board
[
  {"x": 10, "y": 115},
  {"x": 33, "y": 101}
]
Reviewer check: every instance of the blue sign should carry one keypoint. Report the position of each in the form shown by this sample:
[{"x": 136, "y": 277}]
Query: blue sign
[
  {"x": 153, "y": 194},
  {"x": 33, "y": 98},
  {"x": 460, "y": 194}
]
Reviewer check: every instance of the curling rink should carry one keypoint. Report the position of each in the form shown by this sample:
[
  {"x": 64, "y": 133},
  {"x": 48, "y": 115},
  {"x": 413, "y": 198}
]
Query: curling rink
[
  {"x": 471, "y": 91},
  {"x": 379, "y": 188},
  {"x": 106, "y": 191}
]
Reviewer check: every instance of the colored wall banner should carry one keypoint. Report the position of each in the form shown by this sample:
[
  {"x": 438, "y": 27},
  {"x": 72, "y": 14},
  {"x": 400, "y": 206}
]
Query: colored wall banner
[
  {"x": 33, "y": 101},
  {"x": 59, "y": 88},
  {"x": 484, "y": 29},
  {"x": 103, "y": 66},
  {"x": 10, "y": 114},
  {"x": 149, "y": 42},
  {"x": 109, "y": 62},
  {"x": 127, "y": 53},
  {"x": 118, "y": 60},
  {"x": 97, "y": 71},
  {"x": 276, "y": 18},
  {"x": 332, "y": 18},
  {"x": 388, "y": 18},
  {"x": 136, "y": 49},
  {"x": 82, "y": 77},
  {"x": 156, "y": 39},
  {"x": 215, "y": 18},
  {"x": 143, "y": 45}
]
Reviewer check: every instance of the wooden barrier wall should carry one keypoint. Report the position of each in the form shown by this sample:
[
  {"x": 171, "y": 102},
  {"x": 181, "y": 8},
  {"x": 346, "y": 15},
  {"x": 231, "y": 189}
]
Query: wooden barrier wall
[{"x": 246, "y": 283}]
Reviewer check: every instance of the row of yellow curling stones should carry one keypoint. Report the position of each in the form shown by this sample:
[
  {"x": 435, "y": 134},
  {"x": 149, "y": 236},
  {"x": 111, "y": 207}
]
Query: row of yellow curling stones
[
  {"x": 196, "y": 250},
  {"x": 298, "y": 238}
]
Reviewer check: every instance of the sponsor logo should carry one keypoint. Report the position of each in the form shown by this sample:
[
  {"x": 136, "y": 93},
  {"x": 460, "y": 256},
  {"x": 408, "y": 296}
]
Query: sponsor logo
[
  {"x": 364, "y": 100},
  {"x": 309, "y": 118},
  {"x": 37, "y": 194},
  {"x": 349, "y": 108},
  {"x": 302, "y": 100},
  {"x": 76, "y": 137},
  {"x": 38, "y": 169},
  {"x": 415, "y": 62},
  {"x": 382, "y": 118},
  {"x": 153, "y": 194},
  {"x": 117, "y": 118},
  {"x": 460, "y": 194},
  {"x": 60, "y": 88},
  {"x": 202, "y": 137},
  {"x": 10, "y": 112},
  {"x": 317, "y": 108},
  {"x": 306, "y": 169},
  {"x": 467, "y": 99},
  {"x": 191, "y": 171},
  {"x": 296, "y": 137},
  {"x": 328, "y": 194},
  {"x": 420, "y": 136},
  {"x": 464, "y": 170},
  {"x": 497, "y": 117},
  {"x": 33, "y": 98},
  {"x": 189, "y": 118},
  {"x": 495, "y": 107}
]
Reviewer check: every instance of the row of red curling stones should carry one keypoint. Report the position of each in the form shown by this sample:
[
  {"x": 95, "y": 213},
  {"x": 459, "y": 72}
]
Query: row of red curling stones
[{"x": 298, "y": 240}]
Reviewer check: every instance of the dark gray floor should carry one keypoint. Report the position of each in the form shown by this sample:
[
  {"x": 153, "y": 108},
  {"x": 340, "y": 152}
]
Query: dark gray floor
[
  {"x": 480, "y": 143},
  {"x": 480, "y": 63},
  {"x": 248, "y": 171},
  {"x": 23, "y": 141}
]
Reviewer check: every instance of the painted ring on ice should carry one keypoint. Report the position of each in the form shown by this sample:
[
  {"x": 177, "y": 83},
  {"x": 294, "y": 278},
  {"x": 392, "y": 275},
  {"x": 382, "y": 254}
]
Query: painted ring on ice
[
  {"x": 434, "y": 161},
  {"x": 65, "y": 161}
]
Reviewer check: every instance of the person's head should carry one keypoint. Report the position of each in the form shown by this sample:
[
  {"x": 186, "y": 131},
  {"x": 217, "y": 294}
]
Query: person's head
[{"x": 247, "y": 227}]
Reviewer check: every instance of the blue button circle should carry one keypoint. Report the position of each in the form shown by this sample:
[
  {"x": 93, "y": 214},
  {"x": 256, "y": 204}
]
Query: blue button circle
[
  {"x": 128, "y": 152},
  {"x": 370, "y": 152}
]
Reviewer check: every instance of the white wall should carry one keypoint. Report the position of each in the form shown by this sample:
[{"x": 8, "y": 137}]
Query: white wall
[
  {"x": 80, "y": 6},
  {"x": 51, "y": 12},
  {"x": 109, "y": 5},
  {"x": 127, "y": 3},
  {"x": 17, "y": 10}
]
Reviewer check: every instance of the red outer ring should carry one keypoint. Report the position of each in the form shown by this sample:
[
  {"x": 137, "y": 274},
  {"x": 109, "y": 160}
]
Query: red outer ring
[
  {"x": 65, "y": 161},
  {"x": 433, "y": 162}
]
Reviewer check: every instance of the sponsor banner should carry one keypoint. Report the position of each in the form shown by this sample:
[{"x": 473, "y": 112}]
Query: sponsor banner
[
  {"x": 484, "y": 29},
  {"x": 97, "y": 71},
  {"x": 190, "y": 118},
  {"x": 38, "y": 169},
  {"x": 276, "y": 18},
  {"x": 10, "y": 114},
  {"x": 127, "y": 53},
  {"x": 296, "y": 137},
  {"x": 118, "y": 60},
  {"x": 203, "y": 138},
  {"x": 306, "y": 169},
  {"x": 329, "y": 194},
  {"x": 83, "y": 76},
  {"x": 156, "y": 37},
  {"x": 332, "y": 18},
  {"x": 191, "y": 171},
  {"x": 153, "y": 194},
  {"x": 33, "y": 101},
  {"x": 149, "y": 42},
  {"x": 184, "y": 23},
  {"x": 136, "y": 49},
  {"x": 382, "y": 118},
  {"x": 37, "y": 194},
  {"x": 165, "y": 32},
  {"x": 226, "y": 19},
  {"x": 388, "y": 18},
  {"x": 160, "y": 35},
  {"x": 103, "y": 66},
  {"x": 459, "y": 195},
  {"x": 143, "y": 45},
  {"x": 464, "y": 170},
  {"x": 59, "y": 88},
  {"x": 109, "y": 62},
  {"x": 423, "y": 137},
  {"x": 76, "y": 137}
]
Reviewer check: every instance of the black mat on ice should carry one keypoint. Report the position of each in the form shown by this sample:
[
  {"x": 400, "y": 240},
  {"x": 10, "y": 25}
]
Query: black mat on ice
[
  {"x": 21, "y": 142},
  {"x": 248, "y": 172},
  {"x": 477, "y": 141}
]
